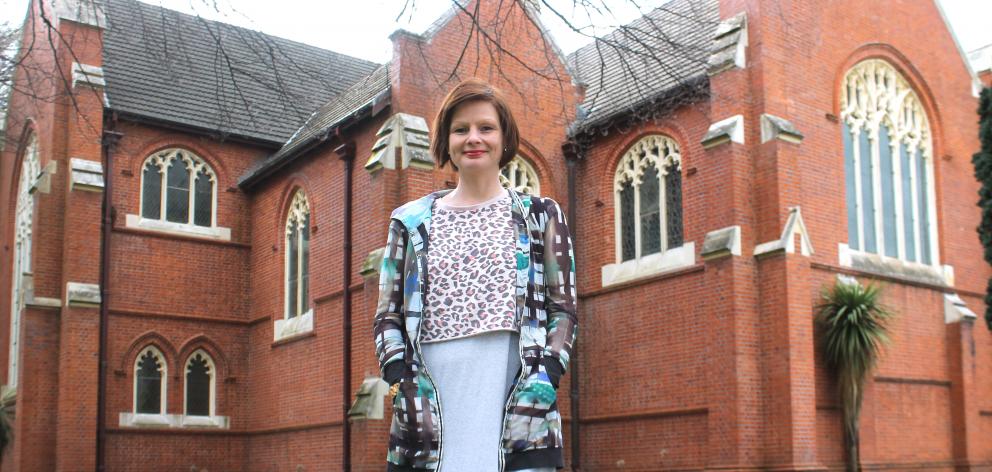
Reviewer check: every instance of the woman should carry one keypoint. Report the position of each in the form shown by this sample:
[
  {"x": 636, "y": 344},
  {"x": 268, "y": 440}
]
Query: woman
[{"x": 476, "y": 307}]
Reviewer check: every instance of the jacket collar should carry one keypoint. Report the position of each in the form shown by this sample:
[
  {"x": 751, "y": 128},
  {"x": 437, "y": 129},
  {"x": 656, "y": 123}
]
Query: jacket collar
[{"x": 419, "y": 211}]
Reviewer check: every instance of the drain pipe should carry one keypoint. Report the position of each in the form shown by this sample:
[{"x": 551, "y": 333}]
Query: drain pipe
[
  {"x": 107, "y": 145},
  {"x": 346, "y": 152},
  {"x": 572, "y": 156}
]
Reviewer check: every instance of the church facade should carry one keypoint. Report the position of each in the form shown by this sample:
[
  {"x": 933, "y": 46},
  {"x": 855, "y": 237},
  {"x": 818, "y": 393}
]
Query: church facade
[{"x": 194, "y": 215}]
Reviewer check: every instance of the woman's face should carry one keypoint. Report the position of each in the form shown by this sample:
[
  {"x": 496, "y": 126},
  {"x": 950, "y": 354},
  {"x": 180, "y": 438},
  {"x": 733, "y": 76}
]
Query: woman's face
[{"x": 475, "y": 139}]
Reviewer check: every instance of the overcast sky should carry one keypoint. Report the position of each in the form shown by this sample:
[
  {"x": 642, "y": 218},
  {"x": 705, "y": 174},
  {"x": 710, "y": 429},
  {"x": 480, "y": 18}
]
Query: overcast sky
[{"x": 361, "y": 28}]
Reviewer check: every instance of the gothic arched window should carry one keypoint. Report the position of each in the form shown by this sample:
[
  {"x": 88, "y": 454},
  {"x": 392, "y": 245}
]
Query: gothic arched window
[
  {"x": 23, "y": 229},
  {"x": 200, "y": 385},
  {"x": 150, "y": 382},
  {"x": 520, "y": 176},
  {"x": 648, "y": 198},
  {"x": 888, "y": 164},
  {"x": 298, "y": 256},
  {"x": 179, "y": 187}
]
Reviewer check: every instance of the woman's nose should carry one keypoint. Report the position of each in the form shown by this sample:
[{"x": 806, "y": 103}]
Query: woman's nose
[{"x": 473, "y": 135}]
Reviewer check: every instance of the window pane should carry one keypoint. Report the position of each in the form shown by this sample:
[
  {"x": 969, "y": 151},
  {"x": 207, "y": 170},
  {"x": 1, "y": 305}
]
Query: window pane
[
  {"x": 151, "y": 192},
  {"x": 149, "y": 379},
  {"x": 924, "y": 210},
  {"x": 886, "y": 170},
  {"x": 867, "y": 192},
  {"x": 177, "y": 194},
  {"x": 198, "y": 387},
  {"x": 909, "y": 219},
  {"x": 292, "y": 269},
  {"x": 305, "y": 263},
  {"x": 627, "y": 221},
  {"x": 650, "y": 211},
  {"x": 850, "y": 190},
  {"x": 673, "y": 207},
  {"x": 203, "y": 200}
]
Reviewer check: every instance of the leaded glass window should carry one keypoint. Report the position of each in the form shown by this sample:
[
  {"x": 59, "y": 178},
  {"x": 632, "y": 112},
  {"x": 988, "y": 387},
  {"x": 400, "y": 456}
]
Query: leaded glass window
[
  {"x": 648, "y": 198},
  {"x": 149, "y": 385},
  {"x": 23, "y": 230},
  {"x": 520, "y": 176},
  {"x": 298, "y": 256},
  {"x": 200, "y": 385},
  {"x": 888, "y": 165},
  {"x": 178, "y": 186}
]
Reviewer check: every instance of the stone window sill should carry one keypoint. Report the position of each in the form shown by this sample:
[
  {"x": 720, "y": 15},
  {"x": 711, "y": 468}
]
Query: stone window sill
[
  {"x": 179, "y": 229},
  {"x": 144, "y": 420},
  {"x": 653, "y": 264},
  {"x": 942, "y": 275},
  {"x": 295, "y": 326}
]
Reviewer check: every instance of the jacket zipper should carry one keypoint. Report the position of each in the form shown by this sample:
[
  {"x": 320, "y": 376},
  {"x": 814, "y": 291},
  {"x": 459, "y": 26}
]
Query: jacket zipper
[{"x": 423, "y": 364}]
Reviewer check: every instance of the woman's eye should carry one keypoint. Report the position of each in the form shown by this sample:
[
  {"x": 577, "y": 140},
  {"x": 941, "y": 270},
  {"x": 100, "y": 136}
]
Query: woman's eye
[{"x": 459, "y": 130}]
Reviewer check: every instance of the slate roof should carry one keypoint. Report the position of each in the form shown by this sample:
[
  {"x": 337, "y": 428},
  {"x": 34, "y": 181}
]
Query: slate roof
[
  {"x": 171, "y": 67},
  {"x": 620, "y": 75},
  {"x": 364, "y": 97}
]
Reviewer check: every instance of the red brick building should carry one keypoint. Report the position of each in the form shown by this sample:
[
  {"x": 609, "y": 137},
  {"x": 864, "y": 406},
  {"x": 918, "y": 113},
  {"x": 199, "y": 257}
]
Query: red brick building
[{"x": 759, "y": 152}]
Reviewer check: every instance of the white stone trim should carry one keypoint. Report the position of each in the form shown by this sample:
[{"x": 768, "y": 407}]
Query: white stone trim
[
  {"x": 520, "y": 175},
  {"x": 721, "y": 243},
  {"x": 82, "y": 295},
  {"x": 21, "y": 281},
  {"x": 86, "y": 175},
  {"x": 652, "y": 264},
  {"x": 179, "y": 229},
  {"x": 893, "y": 267},
  {"x": 727, "y": 130},
  {"x": 793, "y": 225},
  {"x": 88, "y": 75},
  {"x": 140, "y": 420},
  {"x": 956, "y": 310},
  {"x": 289, "y": 327}
]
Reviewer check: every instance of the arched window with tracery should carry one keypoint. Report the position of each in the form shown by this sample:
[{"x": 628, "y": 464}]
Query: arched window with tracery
[
  {"x": 201, "y": 385},
  {"x": 298, "y": 256},
  {"x": 179, "y": 187},
  {"x": 520, "y": 175},
  {"x": 150, "y": 376},
  {"x": 648, "y": 198},
  {"x": 888, "y": 164},
  {"x": 23, "y": 230}
]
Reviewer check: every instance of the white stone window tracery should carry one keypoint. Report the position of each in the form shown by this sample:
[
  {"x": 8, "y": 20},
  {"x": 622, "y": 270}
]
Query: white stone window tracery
[
  {"x": 23, "y": 230},
  {"x": 298, "y": 256},
  {"x": 520, "y": 175},
  {"x": 177, "y": 186},
  {"x": 150, "y": 382},
  {"x": 647, "y": 190},
  {"x": 200, "y": 393},
  {"x": 888, "y": 162}
]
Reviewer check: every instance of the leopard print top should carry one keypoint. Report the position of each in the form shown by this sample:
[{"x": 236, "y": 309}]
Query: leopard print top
[{"x": 470, "y": 262}]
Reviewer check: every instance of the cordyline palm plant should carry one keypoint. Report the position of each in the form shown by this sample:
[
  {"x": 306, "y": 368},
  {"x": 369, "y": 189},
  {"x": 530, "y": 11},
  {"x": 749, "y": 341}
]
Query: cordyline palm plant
[{"x": 852, "y": 327}]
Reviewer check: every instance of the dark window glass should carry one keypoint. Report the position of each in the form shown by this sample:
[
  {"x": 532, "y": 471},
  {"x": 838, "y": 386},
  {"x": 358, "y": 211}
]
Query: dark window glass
[
  {"x": 851, "y": 190},
  {"x": 177, "y": 194},
  {"x": 198, "y": 387},
  {"x": 305, "y": 263},
  {"x": 650, "y": 211},
  {"x": 292, "y": 269},
  {"x": 151, "y": 192},
  {"x": 203, "y": 201},
  {"x": 149, "y": 378},
  {"x": 627, "y": 221},
  {"x": 673, "y": 207}
]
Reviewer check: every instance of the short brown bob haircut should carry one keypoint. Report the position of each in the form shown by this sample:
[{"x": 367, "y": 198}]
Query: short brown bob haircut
[{"x": 469, "y": 91}]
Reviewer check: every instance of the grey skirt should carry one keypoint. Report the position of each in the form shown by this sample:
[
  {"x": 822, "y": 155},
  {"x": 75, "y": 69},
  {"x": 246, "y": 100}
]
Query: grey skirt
[{"x": 473, "y": 377}]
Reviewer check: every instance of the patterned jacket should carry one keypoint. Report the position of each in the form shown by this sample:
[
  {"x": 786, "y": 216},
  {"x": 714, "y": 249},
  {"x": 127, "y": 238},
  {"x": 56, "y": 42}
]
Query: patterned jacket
[{"x": 545, "y": 300}]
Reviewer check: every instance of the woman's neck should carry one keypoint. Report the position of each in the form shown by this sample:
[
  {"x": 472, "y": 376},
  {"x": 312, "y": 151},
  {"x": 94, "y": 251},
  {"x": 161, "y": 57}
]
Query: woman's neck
[{"x": 472, "y": 190}]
